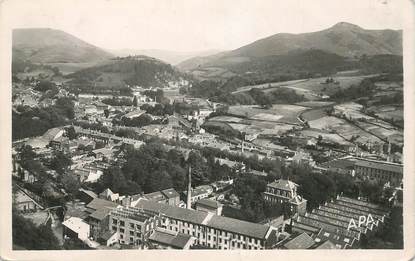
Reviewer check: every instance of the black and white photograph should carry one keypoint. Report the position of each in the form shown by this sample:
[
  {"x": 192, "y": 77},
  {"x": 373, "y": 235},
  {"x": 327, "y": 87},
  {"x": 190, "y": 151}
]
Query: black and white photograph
[{"x": 207, "y": 125}]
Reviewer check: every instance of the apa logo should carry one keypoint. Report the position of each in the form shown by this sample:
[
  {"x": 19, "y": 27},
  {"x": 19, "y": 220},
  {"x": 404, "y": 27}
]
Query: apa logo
[{"x": 362, "y": 220}]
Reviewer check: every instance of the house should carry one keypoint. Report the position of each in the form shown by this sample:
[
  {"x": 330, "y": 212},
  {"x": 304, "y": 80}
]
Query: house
[
  {"x": 284, "y": 191},
  {"x": 107, "y": 194},
  {"x": 209, "y": 205},
  {"x": 165, "y": 239},
  {"x": 98, "y": 217},
  {"x": 75, "y": 227}
]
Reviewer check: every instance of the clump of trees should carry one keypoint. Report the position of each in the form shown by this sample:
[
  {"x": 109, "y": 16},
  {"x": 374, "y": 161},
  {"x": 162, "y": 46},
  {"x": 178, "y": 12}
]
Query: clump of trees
[
  {"x": 29, "y": 236},
  {"x": 29, "y": 122}
]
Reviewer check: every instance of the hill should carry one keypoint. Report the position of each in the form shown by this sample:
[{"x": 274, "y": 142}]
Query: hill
[
  {"x": 344, "y": 41},
  {"x": 44, "y": 45},
  {"x": 171, "y": 57},
  {"x": 121, "y": 73}
]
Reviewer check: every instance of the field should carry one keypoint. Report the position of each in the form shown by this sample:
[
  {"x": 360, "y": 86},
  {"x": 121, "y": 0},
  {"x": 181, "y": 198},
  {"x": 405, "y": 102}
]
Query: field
[
  {"x": 282, "y": 113},
  {"x": 388, "y": 112},
  {"x": 314, "y": 114},
  {"x": 313, "y": 89}
]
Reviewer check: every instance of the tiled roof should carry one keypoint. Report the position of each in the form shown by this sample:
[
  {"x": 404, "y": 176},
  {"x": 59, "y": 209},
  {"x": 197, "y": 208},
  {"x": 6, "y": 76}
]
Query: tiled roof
[
  {"x": 283, "y": 184},
  {"x": 302, "y": 241},
  {"x": 107, "y": 235},
  {"x": 99, "y": 203},
  {"x": 187, "y": 215},
  {"x": 238, "y": 226},
  {"x": 178, "y": 240},
  {"x": 100, "y": 214}
]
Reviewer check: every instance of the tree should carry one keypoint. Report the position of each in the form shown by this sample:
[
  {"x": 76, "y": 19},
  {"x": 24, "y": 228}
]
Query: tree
[
  {"x": 106, "y": 113},
  {"x": 135, "y": 102},
  {"x": 71, "y": 133},
  {"x": 71, "y": 184},
  {"x": 60, "y": 162}
]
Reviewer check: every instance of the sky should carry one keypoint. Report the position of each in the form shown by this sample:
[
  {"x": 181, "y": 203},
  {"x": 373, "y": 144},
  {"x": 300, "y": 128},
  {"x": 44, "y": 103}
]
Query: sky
[{"x": 196, "y": 25}]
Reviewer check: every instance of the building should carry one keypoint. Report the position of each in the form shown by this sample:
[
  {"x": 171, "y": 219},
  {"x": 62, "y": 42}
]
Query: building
[
  {"x": 331, "y": 221},
  {"x": 133, "y": 225},
  {"x": 341, "y": 166},
  {"x": 211, "y": 230},
  {"x": 200, "y": 192},
  {"x": 165, "y": 239},
  {"x": 98, "y": 218},
  {"x": 285, "y": 191},
  {"x": 167, "y": 196},
  {"x": 75, "y": 227},
  {"x": 209, "y": 205},
  {"x": 86, "y": 195},
  {"x": 381, "y": 171},
  {"x": 298, "y": 241},
  {"x": 24, "y": 203}
]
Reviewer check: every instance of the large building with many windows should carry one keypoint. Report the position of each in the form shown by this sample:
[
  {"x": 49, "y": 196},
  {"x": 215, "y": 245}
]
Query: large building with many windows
[
  {"x": 284, "y": 191},
  {"x": 134, "y": 226},
  {"x": 212, "y": 231},
  {"x": 381, "y": 171}
]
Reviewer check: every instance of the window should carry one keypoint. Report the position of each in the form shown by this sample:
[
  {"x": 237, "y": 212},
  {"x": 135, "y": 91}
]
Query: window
[
  {"x": 131, "y": 233},
  {"x": 138, "y": 227},
  {"x": 326, "y": 234},
  {"x": 121, "y": 236},
  {"x": 131, "y": 225},
  {"x": 114, "y": 221},
  {"x": 122, "y": 223},
  {"x": 114, "y": 228}
]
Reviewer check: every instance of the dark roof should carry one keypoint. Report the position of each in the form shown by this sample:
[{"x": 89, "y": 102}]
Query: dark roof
[
  {"x": 380, "y": 165},
  {"x": 238, "y": 226},
  {"x": 100, "y": 214},
  {"x": 155, "y": 196},
  {"x": 283, "y": 184},
  {"x": 302, "y": 241},
  {"x": 170, "y": 193},
  {"x": 188, "y": 215},
  {"x": 208, "y": 203},
  {"x": 107, "y": 235},
  {"x": 178, "y": 240},
  {"x": 99, "y": 203},
  {"x": 339, "y": 163}
]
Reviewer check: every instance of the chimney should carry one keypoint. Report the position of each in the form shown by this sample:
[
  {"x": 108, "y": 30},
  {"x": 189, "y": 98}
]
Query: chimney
[{"x": 189, "y": 189}]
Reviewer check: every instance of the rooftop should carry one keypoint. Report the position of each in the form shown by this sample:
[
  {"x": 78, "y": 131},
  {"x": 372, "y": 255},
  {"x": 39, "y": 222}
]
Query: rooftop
[
  {"x": 283, "y": 184},
  {"x": 99, "y": 203},
  {"x": 387, "y": 166},
  {"x": 208, "y": 203},
  {"x": 301, "y": 241},
  {"x": 238, "y": 226},
  {"x": 170, "y": 193},
  {"x": 164, "y": 237}
]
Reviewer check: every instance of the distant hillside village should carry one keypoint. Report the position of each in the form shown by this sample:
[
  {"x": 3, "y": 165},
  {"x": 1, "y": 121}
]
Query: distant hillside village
[{"x": 132, "y": 153}]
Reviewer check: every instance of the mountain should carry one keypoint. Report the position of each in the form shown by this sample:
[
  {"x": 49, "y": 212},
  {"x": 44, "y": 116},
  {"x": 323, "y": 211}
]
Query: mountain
[
  {"x": 119, "y": 73},
  {"x": 44, "y": 45},
  {"x": 343, "y": 39},
  {"x": 171, "y": 57}
]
